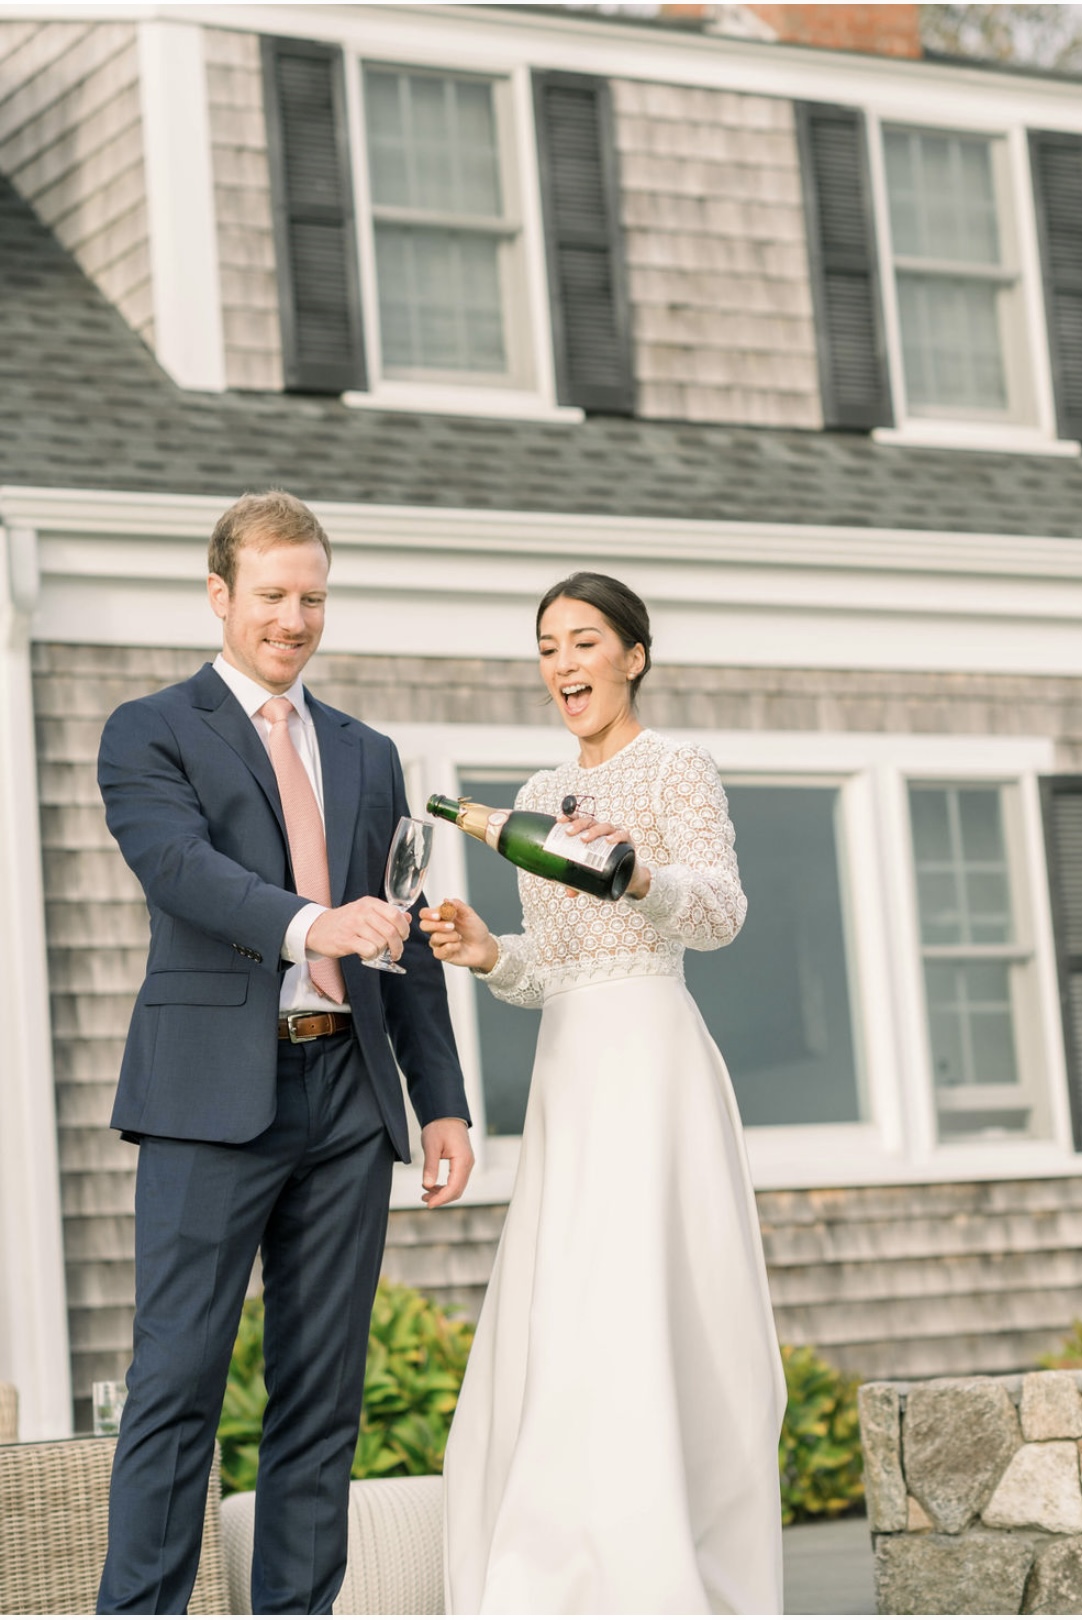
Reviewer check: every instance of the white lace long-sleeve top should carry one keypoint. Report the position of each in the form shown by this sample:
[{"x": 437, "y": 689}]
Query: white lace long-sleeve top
[{"x": 669, "y": 798}]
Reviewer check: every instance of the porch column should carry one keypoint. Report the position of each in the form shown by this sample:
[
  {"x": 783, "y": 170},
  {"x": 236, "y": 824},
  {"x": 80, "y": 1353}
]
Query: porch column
[{"x": 34, "y": 1352}]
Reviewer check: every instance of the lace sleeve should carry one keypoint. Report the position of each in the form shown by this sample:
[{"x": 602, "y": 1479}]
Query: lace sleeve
[
  {"x": 514, "y": 979},
  {"x": 697, "y": 897}
]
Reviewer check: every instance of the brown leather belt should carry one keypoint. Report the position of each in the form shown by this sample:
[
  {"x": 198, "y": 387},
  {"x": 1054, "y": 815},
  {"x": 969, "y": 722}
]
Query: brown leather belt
[{"x": 309, "y": 1026}]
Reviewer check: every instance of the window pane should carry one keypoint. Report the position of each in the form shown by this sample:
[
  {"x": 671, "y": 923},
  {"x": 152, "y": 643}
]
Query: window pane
[
  {"x": 988, "y": 905},
  {"x": 384, "y": 95},
  {"x": 971, "y": 1024},
  {"x": 942, "y": 197},
  {"x": 940, "y": 906},
  {"x": 432, "y": 143},
  {"x": 950, "y": 342},
  {"x": 931, "y": 825},
  {"x": 430, "y": 137},
  {"x": 508, "y": 1035},
  {"x": 439, "y": 297},
  {"x": 963, "y": 890},
  {"x": 941, "y": 192},
  {"x": 433, "y": 149},
  {"x": 777, "y": 999},
  {"x": 981, "y": 824},
  {"x": 478, "y": 173},
  {"x": 960, "y": 852}
]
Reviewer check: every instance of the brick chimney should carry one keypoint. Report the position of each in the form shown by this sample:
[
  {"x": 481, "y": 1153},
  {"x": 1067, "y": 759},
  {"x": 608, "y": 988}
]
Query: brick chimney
[{"x": 872, "y": 30}]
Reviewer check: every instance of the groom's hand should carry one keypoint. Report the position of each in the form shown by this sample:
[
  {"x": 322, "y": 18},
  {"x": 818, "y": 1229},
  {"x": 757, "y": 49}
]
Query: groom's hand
[
  {"x": 445, "y": 1139},
  {"x": 363, "y": 928}
]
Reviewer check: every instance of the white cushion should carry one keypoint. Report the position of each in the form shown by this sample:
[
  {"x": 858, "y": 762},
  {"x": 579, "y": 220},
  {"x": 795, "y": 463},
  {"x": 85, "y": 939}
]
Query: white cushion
[{"x": 395, "y": 1559}]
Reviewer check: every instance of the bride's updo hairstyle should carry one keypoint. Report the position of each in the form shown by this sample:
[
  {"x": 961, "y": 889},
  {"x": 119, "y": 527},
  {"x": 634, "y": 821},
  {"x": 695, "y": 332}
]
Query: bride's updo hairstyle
[{"x": 624, "y": 611}]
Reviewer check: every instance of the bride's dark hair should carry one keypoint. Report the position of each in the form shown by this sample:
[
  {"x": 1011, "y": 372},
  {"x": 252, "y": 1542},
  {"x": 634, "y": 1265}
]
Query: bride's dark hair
[{"x": 625, "y": 611}]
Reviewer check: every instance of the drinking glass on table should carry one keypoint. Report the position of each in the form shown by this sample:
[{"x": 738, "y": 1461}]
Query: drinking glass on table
[
  {"x": 411, "y": 850},
  {"x": 107, "y": 1397}
]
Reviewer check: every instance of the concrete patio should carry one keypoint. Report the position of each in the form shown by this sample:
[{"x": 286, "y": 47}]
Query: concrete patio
[{"x": 828, "y": 1567}]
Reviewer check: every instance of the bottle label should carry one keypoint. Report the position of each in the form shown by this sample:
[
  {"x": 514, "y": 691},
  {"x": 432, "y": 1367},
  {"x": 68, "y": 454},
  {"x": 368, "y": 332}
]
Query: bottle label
[
  {"x": 492, "y": 828},
  {"x": 570, "y": 847}
]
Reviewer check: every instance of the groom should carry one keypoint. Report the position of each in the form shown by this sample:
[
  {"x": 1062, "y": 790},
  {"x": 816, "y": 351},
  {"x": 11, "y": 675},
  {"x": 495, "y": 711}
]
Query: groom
[{"x": 260, "y": 1076}]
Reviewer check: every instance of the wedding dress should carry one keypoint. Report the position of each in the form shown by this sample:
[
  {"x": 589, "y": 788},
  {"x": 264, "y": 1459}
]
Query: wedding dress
[{"x": 615, "y": 1445}]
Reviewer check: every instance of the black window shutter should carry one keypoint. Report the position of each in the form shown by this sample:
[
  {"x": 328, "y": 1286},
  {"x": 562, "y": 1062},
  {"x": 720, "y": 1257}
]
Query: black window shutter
[
  {"x": 1056, "y": 161},
  {"x": 314, "y": 233},
  {"x": 1062, "y": 801},
  {"x": 580, "y": 194},
  {"x": 853, "y": 371}
]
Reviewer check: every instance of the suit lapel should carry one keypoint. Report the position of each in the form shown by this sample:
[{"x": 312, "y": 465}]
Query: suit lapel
[
  {"x": 340, "y": 762},
  {"x": 224, "y": 715}
]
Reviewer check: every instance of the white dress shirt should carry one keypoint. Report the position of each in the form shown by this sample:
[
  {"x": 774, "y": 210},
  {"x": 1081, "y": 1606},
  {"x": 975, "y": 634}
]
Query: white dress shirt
[{"x": 298, "y": 993}]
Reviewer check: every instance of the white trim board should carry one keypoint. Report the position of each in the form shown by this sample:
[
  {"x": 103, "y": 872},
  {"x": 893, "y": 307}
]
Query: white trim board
[
  {"x": 85, "y": 513},
  {"x": 128, "y": 569},
  {"x": 499, "y": 38},
  {"x": 188, "y": 335}
]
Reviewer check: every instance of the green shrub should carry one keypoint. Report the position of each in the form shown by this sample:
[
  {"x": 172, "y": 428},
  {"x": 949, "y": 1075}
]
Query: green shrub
[
  {"x": 1070, "y": 1351},
  {"x": 416, "y": 1359},
  {"x": 819, "y": 1455}
]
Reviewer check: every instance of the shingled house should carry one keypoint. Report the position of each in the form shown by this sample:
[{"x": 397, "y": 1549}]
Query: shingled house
[{"x": 788, "y": 336}]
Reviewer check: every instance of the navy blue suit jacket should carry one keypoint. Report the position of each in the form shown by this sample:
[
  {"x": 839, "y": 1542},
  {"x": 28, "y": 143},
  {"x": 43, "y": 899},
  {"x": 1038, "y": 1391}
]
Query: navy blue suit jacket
[{"x": 191, "y": 798}]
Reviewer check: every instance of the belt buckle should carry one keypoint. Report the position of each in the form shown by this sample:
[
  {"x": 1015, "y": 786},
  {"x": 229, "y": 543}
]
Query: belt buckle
[{"x": 292, "y": 1019}]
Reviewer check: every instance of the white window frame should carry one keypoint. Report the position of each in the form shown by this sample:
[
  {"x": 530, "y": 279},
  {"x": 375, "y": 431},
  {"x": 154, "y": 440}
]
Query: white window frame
[
  {"x": 529, "y": 389},
  {"x": 1005, "y": 275},
  {"x": 897, "y": 1141},
  {"x": 1019, "y": 954},
  {"x": 1029, "y": 423}
]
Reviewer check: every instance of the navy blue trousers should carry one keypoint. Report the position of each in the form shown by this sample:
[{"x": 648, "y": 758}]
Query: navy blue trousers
[{"x": 312, "y": 1193}]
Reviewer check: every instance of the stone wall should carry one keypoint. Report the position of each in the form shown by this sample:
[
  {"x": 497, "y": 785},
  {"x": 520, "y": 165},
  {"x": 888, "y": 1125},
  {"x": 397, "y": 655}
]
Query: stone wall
[{"x": 975, "y": 1495}]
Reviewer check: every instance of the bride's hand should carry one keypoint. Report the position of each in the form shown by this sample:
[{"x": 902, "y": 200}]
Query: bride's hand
[
  {"x": 462, "y": 937},
  {"x": 588, "y": 829}
]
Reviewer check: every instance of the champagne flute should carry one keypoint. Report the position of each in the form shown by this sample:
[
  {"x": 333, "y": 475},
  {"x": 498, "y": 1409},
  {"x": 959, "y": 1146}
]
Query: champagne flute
[{"x": 411, "y": 850}]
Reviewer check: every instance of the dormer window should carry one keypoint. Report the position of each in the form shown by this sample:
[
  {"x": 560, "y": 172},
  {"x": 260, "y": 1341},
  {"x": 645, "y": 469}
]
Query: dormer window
[
  {"x": 446, "y": 245},
  {"x": 945, "y": 275},
  {"x": 954, "y": 282},
  {"x": 433, "y": 250}
]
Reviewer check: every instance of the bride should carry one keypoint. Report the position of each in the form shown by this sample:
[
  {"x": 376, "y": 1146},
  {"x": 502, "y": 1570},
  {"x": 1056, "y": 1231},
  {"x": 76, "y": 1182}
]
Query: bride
[{"x": 615, "y": 1447}]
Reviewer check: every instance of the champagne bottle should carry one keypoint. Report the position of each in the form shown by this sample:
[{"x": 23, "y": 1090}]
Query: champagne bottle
[{"x": 540, "y": 844}]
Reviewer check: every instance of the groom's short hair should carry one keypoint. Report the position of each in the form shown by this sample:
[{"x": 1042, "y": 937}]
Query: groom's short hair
[{"x": 274, "y": 518}]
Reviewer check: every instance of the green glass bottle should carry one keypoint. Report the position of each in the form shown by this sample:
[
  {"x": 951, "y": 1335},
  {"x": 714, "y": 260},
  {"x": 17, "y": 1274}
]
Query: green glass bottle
[{"x": 540, "y": 844}]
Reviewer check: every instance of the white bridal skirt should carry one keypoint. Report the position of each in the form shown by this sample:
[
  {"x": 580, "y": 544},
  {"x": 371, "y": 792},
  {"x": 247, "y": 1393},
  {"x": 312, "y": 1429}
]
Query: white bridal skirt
[{"x": 615, "y": 1448}]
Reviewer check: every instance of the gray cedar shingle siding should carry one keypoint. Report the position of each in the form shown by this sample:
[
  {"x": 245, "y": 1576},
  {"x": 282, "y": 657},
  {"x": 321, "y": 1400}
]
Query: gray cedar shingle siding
[
  {"x": 718, "y": 273},
  {"x": 71, "y": 142},
  {"x": 242, "y": 199},
  {"x": 925, "y": 1281}
]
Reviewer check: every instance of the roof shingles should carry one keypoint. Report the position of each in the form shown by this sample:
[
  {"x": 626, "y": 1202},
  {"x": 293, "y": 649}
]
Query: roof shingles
[{"x": 83, "y": 404}]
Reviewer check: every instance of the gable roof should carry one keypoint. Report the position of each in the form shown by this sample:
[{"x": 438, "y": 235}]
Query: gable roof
[{"x": 83, "y": 404}]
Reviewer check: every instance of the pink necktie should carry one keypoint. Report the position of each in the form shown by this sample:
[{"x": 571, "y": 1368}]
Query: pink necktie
[{"x": 307, "y": 842}]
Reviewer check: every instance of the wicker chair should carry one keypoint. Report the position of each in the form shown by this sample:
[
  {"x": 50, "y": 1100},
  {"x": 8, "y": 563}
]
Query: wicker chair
[
  {"x": 395, "y": 1559},
  {"x": 9, "y": 1413},
  {"x": 54, "y": 1499}
]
